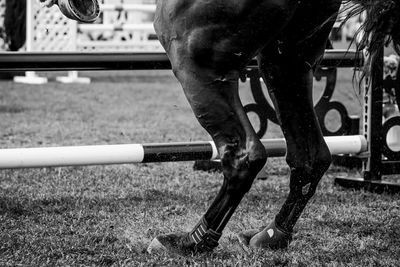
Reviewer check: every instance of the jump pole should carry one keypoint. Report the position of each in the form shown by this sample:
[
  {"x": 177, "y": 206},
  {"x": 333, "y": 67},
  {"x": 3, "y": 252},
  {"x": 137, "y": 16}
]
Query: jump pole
[
  {"x": 128, "y": 7},
  {"x": 62, "y": 61},
  {"x": 147, "y": 27},
  {"x": 141, "y": 153}
]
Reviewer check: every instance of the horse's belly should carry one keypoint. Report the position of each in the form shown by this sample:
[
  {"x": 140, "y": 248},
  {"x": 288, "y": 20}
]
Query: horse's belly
[{"x": 221, "y": 32}]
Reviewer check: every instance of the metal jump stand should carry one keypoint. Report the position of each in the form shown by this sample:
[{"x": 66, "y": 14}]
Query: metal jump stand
[{"x": 380, "y": 159}]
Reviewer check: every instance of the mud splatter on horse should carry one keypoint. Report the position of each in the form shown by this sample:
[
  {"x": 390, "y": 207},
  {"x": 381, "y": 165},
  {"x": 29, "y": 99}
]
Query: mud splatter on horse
[{"x": 208, "y": 44}]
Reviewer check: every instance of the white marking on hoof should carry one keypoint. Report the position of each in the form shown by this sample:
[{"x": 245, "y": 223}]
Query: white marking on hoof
[
  {"x": 155, "y": 246},
  {"x": 270, "y": 233}
]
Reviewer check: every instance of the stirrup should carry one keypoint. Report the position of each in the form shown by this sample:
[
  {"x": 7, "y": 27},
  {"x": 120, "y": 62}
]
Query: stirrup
[{"x": 86, "y": 11}]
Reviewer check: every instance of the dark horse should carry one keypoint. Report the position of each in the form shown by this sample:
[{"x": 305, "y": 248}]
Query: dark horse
[{"x": 209, "y": 42}]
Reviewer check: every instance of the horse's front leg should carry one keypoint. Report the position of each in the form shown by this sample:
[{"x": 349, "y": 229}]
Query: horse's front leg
[{"x": 216, "y": 104}]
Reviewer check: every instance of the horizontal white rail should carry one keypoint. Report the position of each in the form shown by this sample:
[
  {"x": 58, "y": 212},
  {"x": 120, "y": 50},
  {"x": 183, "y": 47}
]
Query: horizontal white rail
[
  {"x": 128, "y": 7},
  {"x": 113, "y": 27},
  {"x": 117, "y": 44},
  {"x": 137, "y": 153}
]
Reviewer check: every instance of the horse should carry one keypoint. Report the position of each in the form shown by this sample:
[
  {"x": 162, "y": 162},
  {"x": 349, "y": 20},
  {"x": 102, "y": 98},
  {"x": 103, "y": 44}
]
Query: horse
[{"x": 209, "y": 43}]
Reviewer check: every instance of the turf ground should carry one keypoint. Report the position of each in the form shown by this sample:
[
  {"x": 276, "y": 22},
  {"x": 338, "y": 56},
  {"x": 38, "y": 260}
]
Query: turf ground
[{"x": 107, "y": 215}]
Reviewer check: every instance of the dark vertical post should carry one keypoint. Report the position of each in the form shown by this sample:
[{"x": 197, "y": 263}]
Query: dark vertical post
[{"x": 373, "y": 119}]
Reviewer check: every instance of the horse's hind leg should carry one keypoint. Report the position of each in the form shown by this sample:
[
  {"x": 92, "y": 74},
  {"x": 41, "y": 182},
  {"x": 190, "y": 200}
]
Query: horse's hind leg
[
  {"x": 286, "y": 66},
  {"x": 307, "y": 154},
  {"x": 287, "y": 71},
  {"x": 216, "y": 104}
]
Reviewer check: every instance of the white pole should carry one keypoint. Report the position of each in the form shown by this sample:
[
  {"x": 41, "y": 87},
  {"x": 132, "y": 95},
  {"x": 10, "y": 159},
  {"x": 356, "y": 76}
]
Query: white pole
[
  {"x": 112, "y": 27},
  {"x": 349, "y": 144},
  {"x": 128, "y": 7},
  {"x": 135, "y": 153},
  {"x": 70, "y": 156}
]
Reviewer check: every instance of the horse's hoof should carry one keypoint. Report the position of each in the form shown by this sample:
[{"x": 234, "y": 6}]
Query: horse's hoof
[
  {"x": 245, "y": 237},
  {"x": 178, "y": 243},
  {"x": 269, "y": 237},
  {"x": 156, "y": 247},
  {"x": 86, "y": 11}
]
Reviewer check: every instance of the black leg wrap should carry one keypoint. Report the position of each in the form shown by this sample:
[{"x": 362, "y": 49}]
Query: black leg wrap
[{"x": 205, "y": 239}]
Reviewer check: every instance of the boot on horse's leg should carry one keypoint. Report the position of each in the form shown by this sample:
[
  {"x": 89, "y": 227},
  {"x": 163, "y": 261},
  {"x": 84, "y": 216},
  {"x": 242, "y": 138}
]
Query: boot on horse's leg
[
  {"x": 242, "y": 157},
  {"x": 303, "y": 183},
  {"x": 278, "y": 234}
]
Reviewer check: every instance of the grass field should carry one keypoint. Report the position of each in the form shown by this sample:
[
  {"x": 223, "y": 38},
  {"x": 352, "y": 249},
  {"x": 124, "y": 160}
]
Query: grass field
[{"x": 107, "y": 215}]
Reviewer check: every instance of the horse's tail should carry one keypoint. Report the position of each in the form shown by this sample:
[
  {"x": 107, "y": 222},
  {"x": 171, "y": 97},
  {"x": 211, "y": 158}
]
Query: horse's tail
[{"x": 381, "y": 25}]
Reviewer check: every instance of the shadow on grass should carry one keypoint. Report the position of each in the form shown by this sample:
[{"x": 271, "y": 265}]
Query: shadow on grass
[
  {"x": 11, "y": 109},
  {"x": 16, "y": 206}
]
